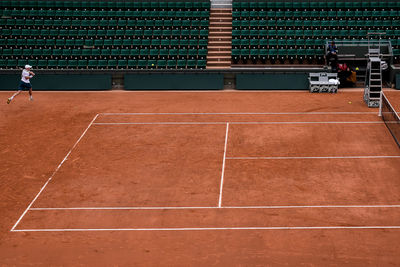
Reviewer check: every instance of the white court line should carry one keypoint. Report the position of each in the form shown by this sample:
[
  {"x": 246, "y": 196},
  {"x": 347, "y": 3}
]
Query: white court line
[
  {"x": 223, "y": 167},
  {"x": 338, "y": 157},
  {"x": 158, "y": 123},
  {"x": 211, "y": 228},
  {"x": 222, "y": 207},
  {"x": 55, "y": 171},
  {"x": 238, "y": 122},
  {"x": 242, "y": 113}
]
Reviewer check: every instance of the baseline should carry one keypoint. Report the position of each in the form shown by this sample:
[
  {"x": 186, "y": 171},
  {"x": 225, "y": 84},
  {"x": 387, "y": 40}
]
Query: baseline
[{"x": 215, "y": 228}]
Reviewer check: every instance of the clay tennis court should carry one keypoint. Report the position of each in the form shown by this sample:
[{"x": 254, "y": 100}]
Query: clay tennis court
[{"x": 198, "y": 178}]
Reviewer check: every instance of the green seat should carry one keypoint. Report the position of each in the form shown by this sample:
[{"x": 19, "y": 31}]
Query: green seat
[
  {"x": 151, "y": 64},
  {"x": 108, "y": 42},
  {"x": 112, "y": 64},
  {"x": 134, "y": 53},
  {"x": 154, "y": 53},
  {"x": 115, "y": 52},
  {"x": 106, "y": 52},
  {"x": 173, "y": 53},
  {"x": 86, "y": 52},
  {"x": 171, "y": 64},
  {"x": 162, "y": 63},
  {"x": 42, "y": 63},
  {"x": 56, "y": 52},
  {"x": 163, "y": 53},
  {"x": 202, "y": 53},
  {"x": 181, "y": 64},
  {"x": 132, "y": 63},
  {"x": 191, "y": 63},
  {"x": 72, "y": 63},
  {"x": 52, "y": 63},
  {"x": 142, "y": 64},
  {"x": 272, "y": 53},
  {"x": 96, "y": 52},
  {"x": 102, "y": 64}
]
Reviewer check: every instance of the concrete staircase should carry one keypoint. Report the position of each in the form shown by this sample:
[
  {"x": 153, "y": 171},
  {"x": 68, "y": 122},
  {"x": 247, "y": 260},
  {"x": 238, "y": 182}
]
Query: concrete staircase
[{"x": 220, "y": 38}]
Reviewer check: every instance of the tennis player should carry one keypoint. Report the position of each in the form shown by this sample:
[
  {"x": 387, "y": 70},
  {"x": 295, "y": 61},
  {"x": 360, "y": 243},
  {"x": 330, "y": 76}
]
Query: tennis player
[{"x": 25, "y": 83}]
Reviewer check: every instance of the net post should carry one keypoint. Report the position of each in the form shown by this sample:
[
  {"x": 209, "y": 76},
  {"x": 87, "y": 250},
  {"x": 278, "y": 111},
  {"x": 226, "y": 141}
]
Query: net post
[{"x": 380, "y": 104}]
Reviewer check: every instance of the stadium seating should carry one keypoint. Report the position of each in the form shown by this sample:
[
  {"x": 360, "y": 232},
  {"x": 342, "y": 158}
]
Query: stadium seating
[
  {"x": 104, "y": 35},
  {"x": 296, "y": 31}
]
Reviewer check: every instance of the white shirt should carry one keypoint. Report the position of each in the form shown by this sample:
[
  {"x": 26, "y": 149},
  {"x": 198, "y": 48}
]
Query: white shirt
[{"x": 23, "y": 75}]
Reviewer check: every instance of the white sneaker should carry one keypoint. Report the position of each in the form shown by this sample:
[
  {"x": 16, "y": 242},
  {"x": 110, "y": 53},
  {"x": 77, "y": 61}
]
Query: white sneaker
[
  {"x": 9, "y": 100},
  {"x": 31, "y": 98}
]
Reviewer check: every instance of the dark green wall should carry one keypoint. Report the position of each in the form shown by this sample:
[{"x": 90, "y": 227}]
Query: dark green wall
[
  {"x": 174, "y": 81},
  {"x": 59, "y": 82},
  {"x": 271, "y": 81}
]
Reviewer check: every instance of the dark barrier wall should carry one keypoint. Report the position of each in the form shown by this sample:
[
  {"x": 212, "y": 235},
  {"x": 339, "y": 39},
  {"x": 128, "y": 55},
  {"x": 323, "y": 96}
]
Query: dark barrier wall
[
  {"x": 271, "y": 81},
  {"x": 398, "y": 81},
  {"x": 174, "y": 81},
  {"x": 59, "y": 82}
]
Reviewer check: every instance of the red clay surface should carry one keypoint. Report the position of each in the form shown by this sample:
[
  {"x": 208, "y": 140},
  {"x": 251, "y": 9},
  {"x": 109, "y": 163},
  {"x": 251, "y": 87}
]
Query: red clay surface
[{"x": 180, "y": 165}]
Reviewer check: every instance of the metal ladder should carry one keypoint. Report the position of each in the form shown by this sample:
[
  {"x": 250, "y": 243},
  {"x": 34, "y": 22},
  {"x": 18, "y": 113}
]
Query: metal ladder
[{"x": 373, "y": 77}]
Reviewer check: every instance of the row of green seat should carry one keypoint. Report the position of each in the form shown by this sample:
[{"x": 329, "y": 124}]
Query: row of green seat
[
  {"x": 313, "y": 14},
  {"x": 104, "y": 23},
  {"x": 193, "y": 33},
  {"x": 290, "y": 23},
  {"x": 116, "y": 52},
  {"x": 103, "y": 64},
  {"x": 264, "y": 43},
  {"x": 282, "y": 54},
  {"x": 104, "y": 42},
  {"x": 107, "y": 5},
  {"x": 239, "y": 34},
  {"x": 106, "y": 13},
  {"x": 315, "y": 4}
]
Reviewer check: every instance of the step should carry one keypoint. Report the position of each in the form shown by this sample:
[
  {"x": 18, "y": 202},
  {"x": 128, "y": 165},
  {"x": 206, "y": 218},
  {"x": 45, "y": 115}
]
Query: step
[
  {"x": 220, "y": 24},
  {"x": 221, "y": 28},
  {"x": 221, "y": 9},
  {"x": 216, "y": 20},
  {"x": 221, "y": 53},
  {"x": 222, "y": 5},
  {"x": 220, "y": 15},
  {"x": 220, "y": 42},
  {"x": 217, "y": 56},
  {"x": 225, "y": 65},
  {"x": 220, "y": 20},
  {"x": 219, "y": 49},
  {"x": 219, "y": 38},
  {"x": 218, "y": 67},
  {"x": 216, "y": 33}
]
